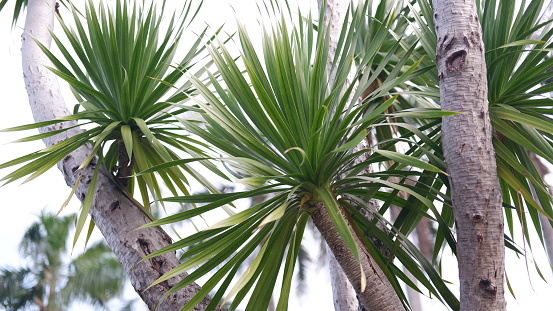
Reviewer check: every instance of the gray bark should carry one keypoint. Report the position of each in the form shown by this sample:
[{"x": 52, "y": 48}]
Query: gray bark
[
  {"x": 470, "y": 157},
  {"x": 343, "y": 293},
  {"x": 379, "y": 294},
  {"x": 346, "y": 294},
  {"x": 114, "y": 214}
]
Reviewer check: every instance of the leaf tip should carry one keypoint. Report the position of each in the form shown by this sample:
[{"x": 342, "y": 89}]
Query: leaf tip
[{"x": 363, "y": 279}]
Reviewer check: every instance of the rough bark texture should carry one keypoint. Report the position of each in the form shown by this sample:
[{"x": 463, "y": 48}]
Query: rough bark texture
[
  {"x": 470, "y": 157},
  {"x": 379, "y": 294},
  {"x": 114, "y": 214},
  {"x": 343, "y": 294}
]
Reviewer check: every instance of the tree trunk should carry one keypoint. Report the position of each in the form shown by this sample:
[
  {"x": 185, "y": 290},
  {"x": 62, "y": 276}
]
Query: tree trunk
[
  {"x": 470, "y": 157},
  {"x": 546, "y": 228},
  {"x": 379, "y": 294},
  {"x": 114, "y": 214},
  {"x": 343, "y": 294}
]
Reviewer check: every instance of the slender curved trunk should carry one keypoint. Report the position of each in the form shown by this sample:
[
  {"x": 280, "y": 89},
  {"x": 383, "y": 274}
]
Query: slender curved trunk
[
  {"x": 470, "y": 157},
  {"x": 345, "y": 278},
  {"x": 114, "y": 214},
  {"x": 379, "y": 294},
  {"x": 546, "y": 227},
  {"x": 343, "y": 294},
  {"x": 40, "y": 304}
]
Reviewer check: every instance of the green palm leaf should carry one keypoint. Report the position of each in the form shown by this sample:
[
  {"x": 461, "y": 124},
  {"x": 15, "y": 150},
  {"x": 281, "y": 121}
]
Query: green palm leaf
[
  {"x": 119, "y": 62},
  {"x": 283, "y": 127}
]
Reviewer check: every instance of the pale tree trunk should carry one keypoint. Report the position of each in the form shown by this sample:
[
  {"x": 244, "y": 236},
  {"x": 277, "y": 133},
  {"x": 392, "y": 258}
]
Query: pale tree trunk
[
  {"x": 546, "y": 228},
  {"x": 343, "y": 294},
  {"x": 114, "y": 214},
  {"x": 470, "y": 157},
  {"x": 346, "y": 277}
]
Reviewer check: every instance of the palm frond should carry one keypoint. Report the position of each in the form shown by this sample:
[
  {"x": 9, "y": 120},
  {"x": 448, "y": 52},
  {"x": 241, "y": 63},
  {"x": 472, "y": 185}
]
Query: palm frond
[
  {"x": 94, "y": 277},
  {"x": 285, "y": 128},
  {"x": 120, "y": 64}
]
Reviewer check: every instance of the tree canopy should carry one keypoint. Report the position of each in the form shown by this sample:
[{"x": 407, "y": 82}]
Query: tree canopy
[{"x": 286, "y": 116}]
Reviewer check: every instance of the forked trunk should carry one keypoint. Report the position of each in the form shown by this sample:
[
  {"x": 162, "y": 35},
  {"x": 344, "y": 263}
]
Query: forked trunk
[
  {"x": 470, "y": 156},
  {"x": 114, "y": 214}
]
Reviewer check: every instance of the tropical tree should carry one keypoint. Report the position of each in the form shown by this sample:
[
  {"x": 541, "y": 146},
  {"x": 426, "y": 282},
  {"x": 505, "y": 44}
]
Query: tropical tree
[
  {"x": 115, "y": 212},
  {"x": 469, "y": 152},
  {"x": 519, "y": 121},
  {"x": 256, "y": 130},
  {"x": 50, "y": 283},
  {"x": 286, "y": 121}
]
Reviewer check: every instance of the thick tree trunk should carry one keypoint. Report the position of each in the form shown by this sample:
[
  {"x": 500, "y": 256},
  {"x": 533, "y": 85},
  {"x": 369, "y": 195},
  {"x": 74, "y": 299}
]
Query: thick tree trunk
[
  {"x": 114, "y": 214},
  {"x": 470, "y": 157}
]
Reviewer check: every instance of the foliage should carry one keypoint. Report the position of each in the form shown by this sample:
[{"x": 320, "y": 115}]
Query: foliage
[
  {"x": 274, "y": 151},
  {"x": 118, "y": 64},
  {"x": 285, "y": 122},
  {"x": 94, "y": 277},
  {"x": 288, "y": 128}
]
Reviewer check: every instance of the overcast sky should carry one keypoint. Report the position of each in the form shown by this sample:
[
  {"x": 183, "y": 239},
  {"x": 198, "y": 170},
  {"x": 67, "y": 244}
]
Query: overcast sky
[{"x": 21, "y": 203}]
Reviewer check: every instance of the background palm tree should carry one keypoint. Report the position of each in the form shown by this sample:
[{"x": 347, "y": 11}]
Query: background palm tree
[{"x": 51, "y": 284}]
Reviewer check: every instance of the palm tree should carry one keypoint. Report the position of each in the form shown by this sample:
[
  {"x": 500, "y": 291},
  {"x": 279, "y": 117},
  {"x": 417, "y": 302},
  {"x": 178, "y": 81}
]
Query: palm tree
[
  {"x": 291, "y": 135},
  {"x": 286, "y": 122},
  {"x": 124, "y": 139},
  {"x": 48, "y": 282}
]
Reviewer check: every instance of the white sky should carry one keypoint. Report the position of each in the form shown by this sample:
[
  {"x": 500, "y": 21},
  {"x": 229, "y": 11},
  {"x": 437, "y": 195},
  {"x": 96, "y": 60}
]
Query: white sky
[{"x": 20, "y": 203}]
